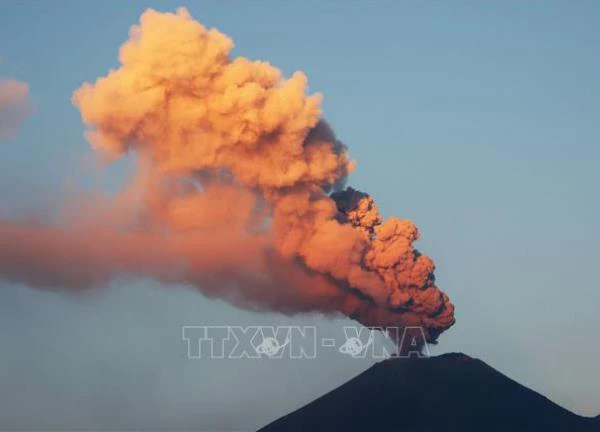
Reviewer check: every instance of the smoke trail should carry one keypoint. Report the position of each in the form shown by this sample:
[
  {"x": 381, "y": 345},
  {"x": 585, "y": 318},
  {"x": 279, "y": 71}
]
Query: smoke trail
[{"x": 236, "y": 170}]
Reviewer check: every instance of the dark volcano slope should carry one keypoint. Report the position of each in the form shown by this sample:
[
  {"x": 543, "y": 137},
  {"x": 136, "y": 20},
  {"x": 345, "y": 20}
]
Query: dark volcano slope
[{"x": 451, "y": 392}]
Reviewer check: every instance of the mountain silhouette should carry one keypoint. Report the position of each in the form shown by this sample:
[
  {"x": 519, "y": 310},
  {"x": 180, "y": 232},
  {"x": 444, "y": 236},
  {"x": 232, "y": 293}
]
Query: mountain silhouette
[{"x": 450, "y": 392}]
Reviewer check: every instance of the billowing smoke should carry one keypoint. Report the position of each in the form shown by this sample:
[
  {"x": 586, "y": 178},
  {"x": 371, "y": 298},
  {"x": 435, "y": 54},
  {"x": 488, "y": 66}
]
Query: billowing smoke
[
  {"x": 238, "y": 192},
  {"x": 14, "y": 106}
]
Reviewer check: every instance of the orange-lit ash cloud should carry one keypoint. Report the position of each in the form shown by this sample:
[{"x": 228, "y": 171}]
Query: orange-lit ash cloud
[
  {"x": 237, "y": 169},
  {"x": 14, "y": 106}
]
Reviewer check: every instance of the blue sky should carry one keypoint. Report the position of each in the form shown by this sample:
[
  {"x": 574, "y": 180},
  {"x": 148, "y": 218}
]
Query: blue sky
[{"x": 477, "y": 121}]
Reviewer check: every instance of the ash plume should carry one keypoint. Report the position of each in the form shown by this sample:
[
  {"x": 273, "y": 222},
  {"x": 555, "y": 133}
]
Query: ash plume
[
  {"x": 236, "y": 169},
  {"x": 14, "y": 106}
]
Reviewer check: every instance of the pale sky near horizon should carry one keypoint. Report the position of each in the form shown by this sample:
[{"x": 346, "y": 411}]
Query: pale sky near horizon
[{"x": 478, "y": 122}]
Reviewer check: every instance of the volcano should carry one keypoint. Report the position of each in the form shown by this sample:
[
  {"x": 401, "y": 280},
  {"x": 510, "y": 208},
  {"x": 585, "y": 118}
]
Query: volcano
[{"x": 450, "y": 392}]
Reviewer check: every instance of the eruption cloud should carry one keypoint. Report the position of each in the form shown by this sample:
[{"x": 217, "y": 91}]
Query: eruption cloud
[{"x": 238, "y": 192}]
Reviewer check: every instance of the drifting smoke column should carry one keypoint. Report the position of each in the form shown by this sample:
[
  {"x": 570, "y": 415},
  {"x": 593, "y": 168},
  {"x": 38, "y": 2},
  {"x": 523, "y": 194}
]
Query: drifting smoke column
[{"x": 236, "y": 169}]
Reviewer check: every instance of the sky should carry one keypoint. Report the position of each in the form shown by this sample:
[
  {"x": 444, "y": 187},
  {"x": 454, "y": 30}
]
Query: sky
[{"x": 476, "y": 121}]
